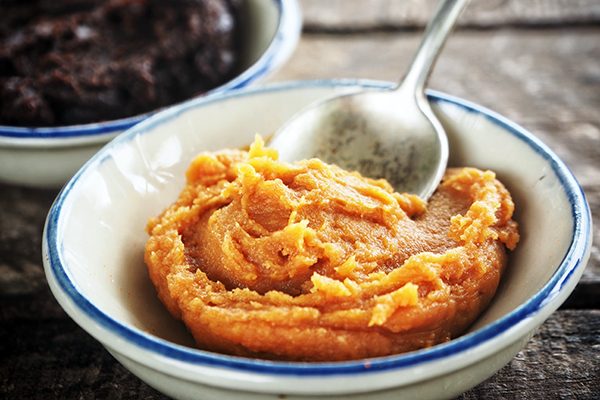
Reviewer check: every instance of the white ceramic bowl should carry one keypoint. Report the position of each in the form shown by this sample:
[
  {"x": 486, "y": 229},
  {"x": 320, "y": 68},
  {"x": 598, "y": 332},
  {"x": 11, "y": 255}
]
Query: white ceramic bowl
[
  {"x": 48, "y": 157},
  {"x": 94, "y": 242}
]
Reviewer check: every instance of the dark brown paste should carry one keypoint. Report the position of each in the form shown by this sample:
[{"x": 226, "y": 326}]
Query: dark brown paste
[{"x": 65, "y": 62}]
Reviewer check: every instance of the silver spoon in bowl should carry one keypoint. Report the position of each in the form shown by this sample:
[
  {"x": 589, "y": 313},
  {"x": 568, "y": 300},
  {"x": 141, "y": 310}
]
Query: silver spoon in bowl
[{"x": 391, "y": 134}]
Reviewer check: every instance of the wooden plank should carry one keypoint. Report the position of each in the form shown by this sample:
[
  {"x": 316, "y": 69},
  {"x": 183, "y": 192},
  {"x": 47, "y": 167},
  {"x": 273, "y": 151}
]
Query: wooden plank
[
  {"x": 360, "y": 15},
  {"x": 22, "y": 215},
  {"x": 558, "y": 363},
  {"x": 52, "y": 358},
  {"x": 530, "y": 77}
]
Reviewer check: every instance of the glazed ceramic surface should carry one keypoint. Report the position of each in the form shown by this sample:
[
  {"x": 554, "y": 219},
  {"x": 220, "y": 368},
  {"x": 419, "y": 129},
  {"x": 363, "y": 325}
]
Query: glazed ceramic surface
[
  {"x": 95, "y": 235},
  {"x": 48, "y": 157}
]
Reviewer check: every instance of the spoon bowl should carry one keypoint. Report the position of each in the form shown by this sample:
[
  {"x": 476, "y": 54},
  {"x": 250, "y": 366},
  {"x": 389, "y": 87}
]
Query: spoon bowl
[
  {"x": 366, "y": 132},
  {"x": 391, "y": 134}
]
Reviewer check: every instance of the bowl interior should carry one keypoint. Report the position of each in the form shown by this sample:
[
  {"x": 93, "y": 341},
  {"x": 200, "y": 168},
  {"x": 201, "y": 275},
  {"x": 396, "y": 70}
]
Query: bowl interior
[
  {"x": 102, "y": 213},
  {"x": 259, "y": 20},
  {"x": 544, "y": 206}
]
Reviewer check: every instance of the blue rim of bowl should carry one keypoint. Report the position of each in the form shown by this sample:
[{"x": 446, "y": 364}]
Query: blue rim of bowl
[
  {"x": 286, "y": 36},
  {"x": 568, "y": 268}
]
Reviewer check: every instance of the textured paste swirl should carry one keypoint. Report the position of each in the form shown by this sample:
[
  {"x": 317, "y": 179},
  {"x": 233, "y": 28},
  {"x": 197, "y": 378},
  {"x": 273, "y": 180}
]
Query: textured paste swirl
[{"x": 308, "y": 262}]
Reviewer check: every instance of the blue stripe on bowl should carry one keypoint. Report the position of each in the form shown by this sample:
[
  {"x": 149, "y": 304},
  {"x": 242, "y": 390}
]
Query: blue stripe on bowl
[{"x": 564, "y": 274}]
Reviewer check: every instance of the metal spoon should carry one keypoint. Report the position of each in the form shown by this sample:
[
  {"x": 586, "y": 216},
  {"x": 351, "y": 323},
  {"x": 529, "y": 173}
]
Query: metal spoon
[{"x": 391, "y": 134}]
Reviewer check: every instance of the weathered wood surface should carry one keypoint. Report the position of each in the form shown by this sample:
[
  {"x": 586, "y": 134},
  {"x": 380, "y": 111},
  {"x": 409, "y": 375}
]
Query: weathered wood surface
[
  {"x": 45, "y": 355},
  {"x": 361, "y": 15},
  {"x": 537, "y": 62}
]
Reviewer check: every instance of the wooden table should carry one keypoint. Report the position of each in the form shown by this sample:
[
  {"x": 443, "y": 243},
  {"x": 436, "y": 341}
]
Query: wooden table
[{"x": 536, "y": 62}]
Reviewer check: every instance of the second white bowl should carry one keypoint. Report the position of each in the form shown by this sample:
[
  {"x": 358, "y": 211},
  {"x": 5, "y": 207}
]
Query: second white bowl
[{"x": 48, "y": 157}]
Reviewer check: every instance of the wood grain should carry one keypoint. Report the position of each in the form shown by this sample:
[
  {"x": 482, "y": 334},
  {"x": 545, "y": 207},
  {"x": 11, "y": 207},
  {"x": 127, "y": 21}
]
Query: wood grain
[
  {"x": 360, "y": 15},
  {"x": 45, "y": 355}
]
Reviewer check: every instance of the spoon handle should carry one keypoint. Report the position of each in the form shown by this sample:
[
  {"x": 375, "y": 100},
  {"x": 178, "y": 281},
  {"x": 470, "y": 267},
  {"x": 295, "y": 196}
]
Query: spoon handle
[{"x": 434, "y": 38}]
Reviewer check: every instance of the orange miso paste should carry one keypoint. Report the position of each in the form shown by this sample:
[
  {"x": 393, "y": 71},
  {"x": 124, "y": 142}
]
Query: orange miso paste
[{"x": 309, "y": 262}]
